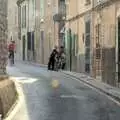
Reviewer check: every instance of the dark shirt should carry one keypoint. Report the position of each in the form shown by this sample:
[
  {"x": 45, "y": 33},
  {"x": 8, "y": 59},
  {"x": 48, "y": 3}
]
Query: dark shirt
[{"x": 53, "y": 54}]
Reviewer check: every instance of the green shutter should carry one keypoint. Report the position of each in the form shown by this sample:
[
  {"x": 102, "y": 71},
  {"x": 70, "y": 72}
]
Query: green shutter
[
  {"x": 76, "y": 44},
  {"x": 33, "y": 5}
]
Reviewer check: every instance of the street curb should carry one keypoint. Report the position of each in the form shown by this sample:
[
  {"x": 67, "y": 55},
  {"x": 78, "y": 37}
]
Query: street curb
[
  {"x": 11, "y": 109},
  {"x": 35, "y": 64},
  {"x": 98, "y": 88}
]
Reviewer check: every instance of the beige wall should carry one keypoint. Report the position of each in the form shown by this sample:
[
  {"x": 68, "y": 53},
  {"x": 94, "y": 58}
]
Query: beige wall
[
  {"x": 50, "y": 31},
  {"x": 77, "y": 25},
  {"x": 77, "y": 7},
  {"x": 71, "y": 9},
  {"x": 104, "y": 68}
]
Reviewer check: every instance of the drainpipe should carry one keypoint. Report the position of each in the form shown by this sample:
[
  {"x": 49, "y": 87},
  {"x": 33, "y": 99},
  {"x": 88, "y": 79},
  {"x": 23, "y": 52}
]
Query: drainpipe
[
  {"x": 28, "y": 55},
  {"x": 54, "y": 33},
  {"x": 116, "y": 49},
  {"x": 70, "y": 35}
]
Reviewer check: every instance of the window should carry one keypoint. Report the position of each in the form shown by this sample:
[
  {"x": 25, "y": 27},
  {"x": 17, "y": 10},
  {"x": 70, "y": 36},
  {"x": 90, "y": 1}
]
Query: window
[
  {"x": 98, "y": 41},
  {"x": 19, "y": 22},
  {"x": 87, "y": 45},
  {"x": 42, "y": 35},
  {"x": 87, "y": 2},
  {"x": 33, "y": 4},
  {"x": 87, "y": 41},
  {"x": 23, "y": 16},
  {"x": 75, "y": 44},
  {"x": 42, "y": 8}
]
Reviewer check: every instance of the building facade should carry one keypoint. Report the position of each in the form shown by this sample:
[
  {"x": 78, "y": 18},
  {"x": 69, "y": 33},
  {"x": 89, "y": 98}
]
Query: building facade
[
  {"x": 26, "y": 29},
  {"x": 95, "y": 49},
  {"x": 3, "y": 38},
  {"x": 13, "y": 25},
  {"x": 48, "y": 27},
  {"x": 77, "y": 40},
  {"x": 46, "y": 30},
  {"x": 38, "y": 31},
  {"x": 106, "y": 41}
]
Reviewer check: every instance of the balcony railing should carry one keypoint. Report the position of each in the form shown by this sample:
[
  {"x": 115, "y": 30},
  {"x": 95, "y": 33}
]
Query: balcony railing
[
  {"x": 60, "y": 12},
  {"x": 100, "y": 2}
]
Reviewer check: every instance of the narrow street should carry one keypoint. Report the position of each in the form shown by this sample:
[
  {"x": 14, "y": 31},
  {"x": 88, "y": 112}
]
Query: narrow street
[{"x": 66, "y": 100}]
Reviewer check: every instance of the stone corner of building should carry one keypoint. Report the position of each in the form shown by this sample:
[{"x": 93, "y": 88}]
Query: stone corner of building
[{"x": 8, "y": 96}]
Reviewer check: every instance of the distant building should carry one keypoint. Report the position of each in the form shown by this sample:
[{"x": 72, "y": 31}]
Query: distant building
[
  {"x": 38, "y": 31},
  {"x": 26, "y": 31}
]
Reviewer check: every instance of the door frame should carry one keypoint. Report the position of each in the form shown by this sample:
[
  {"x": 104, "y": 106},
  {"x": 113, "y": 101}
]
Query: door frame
[
  {"x": 24, "y": 46},
  {"x": 117, "y": 66}
]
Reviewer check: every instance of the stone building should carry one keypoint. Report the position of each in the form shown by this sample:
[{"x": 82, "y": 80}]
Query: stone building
[
  {"x": 3, "y": 37},
  {"x": 26, "y": 29},
  {"x": 45, "y": 29},
  {"x": 48, "y": 26},
  {"x": 77, "y": 40},
  {"x": 13, "y": 25},
  {"x": 38, "y": 31},
  {"x": 95, "y": 50},
  {"x": 106, "y": 39}
]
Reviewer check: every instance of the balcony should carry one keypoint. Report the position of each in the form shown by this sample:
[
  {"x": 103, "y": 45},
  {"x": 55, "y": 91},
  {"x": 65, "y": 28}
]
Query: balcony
[
  {"x": 100, "y": 2},
  {"x": 60, "y": 12}
]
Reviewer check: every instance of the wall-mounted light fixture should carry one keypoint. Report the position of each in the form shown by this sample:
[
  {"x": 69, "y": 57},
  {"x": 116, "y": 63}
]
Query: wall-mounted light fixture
[{"x": 42, "y": 20}]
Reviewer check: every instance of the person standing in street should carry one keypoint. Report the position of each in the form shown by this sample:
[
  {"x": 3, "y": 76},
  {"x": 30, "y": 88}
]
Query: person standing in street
[
  {"x": 11, "y": 49},
  {"x": 62, "y": 56},
  {"x": 51, "y": 63}
]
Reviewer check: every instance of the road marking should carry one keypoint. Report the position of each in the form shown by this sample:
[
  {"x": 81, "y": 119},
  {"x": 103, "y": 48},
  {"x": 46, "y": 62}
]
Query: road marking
[
  {"x": 24, "y": 79},
  {"x": 73, "y": 96}
]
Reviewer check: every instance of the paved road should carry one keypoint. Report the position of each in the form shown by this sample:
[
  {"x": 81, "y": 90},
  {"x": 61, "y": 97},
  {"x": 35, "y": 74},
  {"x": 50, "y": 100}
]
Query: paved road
[{"x": 71, "y": 100}]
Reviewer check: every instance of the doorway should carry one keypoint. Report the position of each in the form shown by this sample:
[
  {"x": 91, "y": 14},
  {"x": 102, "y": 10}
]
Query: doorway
[
  {"x": 118, "y": 51},
  {"x": 87, "y": 45},
  {"x": 23, "y": 38}
]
